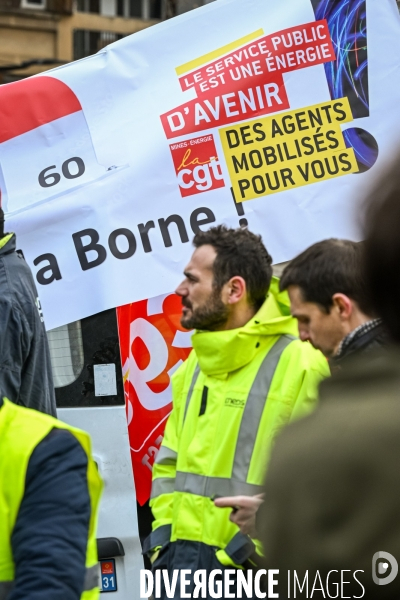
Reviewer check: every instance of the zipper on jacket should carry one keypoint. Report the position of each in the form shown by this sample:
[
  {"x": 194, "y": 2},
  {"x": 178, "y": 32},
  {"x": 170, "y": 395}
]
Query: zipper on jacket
[{"x": 204, "y": 397}]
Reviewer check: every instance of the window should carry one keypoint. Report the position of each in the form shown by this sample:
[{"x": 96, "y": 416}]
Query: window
[
  {"x": 86, "y": 362},
  {"x": 145, "y": 9},
  {"x": 90, "y": 6},
  {"x": 66, "y": 353},
  {"x": 155, "y": 9},
  {"x": 177, "y": 7},
  {"x": 38, "y": 4},
  {"x": 89, "y": 42},
  {"x": 135, "y": 8}
]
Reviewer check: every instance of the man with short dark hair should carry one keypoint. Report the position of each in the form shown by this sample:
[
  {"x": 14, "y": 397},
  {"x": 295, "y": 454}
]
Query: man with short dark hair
[
  {"x": 248, "y": 376},
  {"x": 330, "y": 300},
  {"x": 341, "y": 462}
]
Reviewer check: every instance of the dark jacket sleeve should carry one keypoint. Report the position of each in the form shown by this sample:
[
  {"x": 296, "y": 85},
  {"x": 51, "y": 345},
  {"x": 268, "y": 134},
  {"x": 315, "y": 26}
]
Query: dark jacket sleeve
[
  {"x": 15, "y": 342},
  {"x": 25, "y": 368},
  {"x": 50, "y": 536}
]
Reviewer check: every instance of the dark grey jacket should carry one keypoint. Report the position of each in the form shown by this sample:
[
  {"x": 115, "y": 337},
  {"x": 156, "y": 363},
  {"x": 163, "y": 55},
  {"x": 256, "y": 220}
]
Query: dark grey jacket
[
  {"x": 332, "y": 495},
  {"x": 25, "y": 368},
  {"x": 361, "y": 346}
]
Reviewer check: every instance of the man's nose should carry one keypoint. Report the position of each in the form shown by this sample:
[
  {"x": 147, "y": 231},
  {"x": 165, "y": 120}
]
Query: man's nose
[
  {"x": 303, "y": 334},
  {"x": 181, "y": 290}
]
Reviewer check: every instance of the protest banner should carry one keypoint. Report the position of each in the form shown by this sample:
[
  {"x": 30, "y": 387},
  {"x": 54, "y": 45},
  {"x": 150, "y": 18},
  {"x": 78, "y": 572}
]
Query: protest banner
[
  {"x": 153, "y": 345},
  {"x": 241, "y": 112}
]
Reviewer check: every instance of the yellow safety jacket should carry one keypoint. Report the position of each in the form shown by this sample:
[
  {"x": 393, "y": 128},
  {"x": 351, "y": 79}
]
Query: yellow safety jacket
[
  {"x": 237, "y": 389},
  {"x": 21, "y": 430}
]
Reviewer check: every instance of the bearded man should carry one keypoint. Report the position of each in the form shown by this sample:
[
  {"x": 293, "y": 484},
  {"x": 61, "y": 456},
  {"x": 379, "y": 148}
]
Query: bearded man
[{"x": 247, "y": 376}]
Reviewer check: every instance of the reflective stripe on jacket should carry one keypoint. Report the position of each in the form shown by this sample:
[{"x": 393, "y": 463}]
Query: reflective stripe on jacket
[
  {"x": 237, "y": 389},
  {"x": 21, "y": 431}
]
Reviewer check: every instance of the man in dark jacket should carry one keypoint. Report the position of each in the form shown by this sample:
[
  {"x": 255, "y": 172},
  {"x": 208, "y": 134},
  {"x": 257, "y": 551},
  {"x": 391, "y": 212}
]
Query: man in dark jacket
[
  {"x": 332, "y": 495},
  {"x": 330, "y": 300},
  {"x": 25, "y": 368}
]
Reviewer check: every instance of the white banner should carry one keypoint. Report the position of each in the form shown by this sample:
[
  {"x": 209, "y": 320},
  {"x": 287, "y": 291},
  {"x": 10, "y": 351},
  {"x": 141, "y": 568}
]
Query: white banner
[{"x": 241, "y": 112}]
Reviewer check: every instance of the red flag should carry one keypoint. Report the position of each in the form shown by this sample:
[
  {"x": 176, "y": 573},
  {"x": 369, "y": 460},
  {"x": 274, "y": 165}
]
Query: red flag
[{"x": 153, "y": 345}]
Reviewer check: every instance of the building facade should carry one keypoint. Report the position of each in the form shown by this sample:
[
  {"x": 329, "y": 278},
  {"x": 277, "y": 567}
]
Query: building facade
[{"x": 36, "y": 35}]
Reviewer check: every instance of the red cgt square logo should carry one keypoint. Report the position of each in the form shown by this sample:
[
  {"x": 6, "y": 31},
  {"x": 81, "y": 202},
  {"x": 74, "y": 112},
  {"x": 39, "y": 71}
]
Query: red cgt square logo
[
  {"x": 107, "y": 568},
  {"x": 197, "y": 166}
]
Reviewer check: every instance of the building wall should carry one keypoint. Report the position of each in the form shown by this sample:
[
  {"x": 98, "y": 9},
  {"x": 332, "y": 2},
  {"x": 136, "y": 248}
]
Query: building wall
[
  {"x": 24, "y": 37},
  {"x": 36, "y": 35},
  {"x": 47, "y": 33}
]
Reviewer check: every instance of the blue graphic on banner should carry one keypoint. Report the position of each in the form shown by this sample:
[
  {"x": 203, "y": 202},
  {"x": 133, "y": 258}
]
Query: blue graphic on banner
[{"x": 347, "y": 76}]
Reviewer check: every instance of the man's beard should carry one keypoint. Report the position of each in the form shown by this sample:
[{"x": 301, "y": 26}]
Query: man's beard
[{"x": 209, "y": 316}]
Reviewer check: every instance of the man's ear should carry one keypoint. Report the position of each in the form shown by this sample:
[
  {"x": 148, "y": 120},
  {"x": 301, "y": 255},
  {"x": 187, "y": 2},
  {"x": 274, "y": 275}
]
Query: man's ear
[
  {"x": 343, "y": 305},
  {"x": 235, "y": 289}
]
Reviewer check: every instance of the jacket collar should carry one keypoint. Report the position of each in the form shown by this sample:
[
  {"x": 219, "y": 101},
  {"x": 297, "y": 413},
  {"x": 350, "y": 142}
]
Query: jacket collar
[
  {"x": 8, "y": 244},
  {"x": 365, "y": 339},
  {"x": 221, "y": 352}
]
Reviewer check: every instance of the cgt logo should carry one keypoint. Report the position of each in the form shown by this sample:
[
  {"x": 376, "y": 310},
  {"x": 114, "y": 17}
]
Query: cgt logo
[
  {"x": 197, "y": 166},
  {"x": 384, "y": 568}
]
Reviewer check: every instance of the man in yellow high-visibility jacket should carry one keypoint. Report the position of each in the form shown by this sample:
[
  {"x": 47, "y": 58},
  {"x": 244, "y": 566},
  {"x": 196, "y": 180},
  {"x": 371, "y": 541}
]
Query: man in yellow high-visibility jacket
[
  {"x": 247, "y": 376},
  {"x": 49, "y": 496}
]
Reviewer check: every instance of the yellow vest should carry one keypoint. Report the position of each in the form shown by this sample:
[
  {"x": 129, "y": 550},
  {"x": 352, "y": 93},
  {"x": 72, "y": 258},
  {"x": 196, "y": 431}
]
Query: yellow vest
[{"x": 21, "y": 430}]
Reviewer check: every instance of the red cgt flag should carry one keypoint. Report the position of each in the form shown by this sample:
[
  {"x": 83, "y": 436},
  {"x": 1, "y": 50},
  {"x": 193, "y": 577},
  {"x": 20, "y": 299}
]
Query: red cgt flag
[{"x": 153, "y": 345}]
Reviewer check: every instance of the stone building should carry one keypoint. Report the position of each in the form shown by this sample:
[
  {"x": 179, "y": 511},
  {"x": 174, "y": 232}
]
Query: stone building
[{"x": 36, "y": 35}]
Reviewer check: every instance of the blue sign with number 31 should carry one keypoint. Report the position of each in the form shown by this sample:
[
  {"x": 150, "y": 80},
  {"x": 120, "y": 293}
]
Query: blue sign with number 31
[{"x": 108, "y": 575}]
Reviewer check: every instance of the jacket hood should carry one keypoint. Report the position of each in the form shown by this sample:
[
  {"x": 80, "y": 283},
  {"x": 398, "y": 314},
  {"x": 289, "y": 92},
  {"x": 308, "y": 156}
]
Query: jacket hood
[{"x": 220, "y": 352}]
